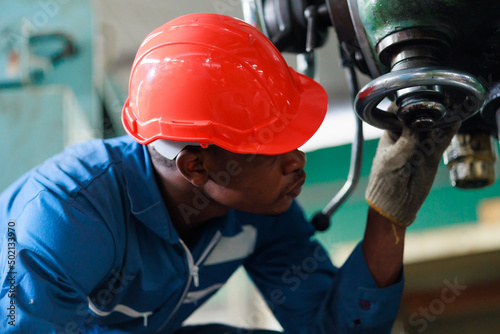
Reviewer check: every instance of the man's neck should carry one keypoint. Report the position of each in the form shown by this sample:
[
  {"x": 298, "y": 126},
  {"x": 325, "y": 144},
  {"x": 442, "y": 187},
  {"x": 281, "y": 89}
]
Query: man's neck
[{"x": 189, "y": 208}]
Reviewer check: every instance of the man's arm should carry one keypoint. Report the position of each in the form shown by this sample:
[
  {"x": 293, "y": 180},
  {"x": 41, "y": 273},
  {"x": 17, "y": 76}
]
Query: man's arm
[
  {"x": 402, "y": 174},
  {"x": 61, "y": 253},
  {"x": 307, "y": 293},
  {"x": 383, "y": 246}
]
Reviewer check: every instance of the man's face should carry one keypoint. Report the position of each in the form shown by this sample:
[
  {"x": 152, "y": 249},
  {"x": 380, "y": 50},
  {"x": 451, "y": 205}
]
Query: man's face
[{"x": 259, "y": 184}]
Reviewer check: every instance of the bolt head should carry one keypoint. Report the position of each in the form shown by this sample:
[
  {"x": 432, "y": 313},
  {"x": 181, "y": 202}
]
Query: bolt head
[{"x": 424, "y": 122}]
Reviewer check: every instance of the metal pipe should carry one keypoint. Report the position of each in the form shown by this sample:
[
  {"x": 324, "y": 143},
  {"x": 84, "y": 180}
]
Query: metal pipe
[
  {"x": 306, "y": 64},
  {"x": 321, "y": 220},
  {"x": 254, "y": 14}
]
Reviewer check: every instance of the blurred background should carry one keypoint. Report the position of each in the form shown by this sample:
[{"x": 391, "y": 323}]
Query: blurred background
[{"x": 64, "y": 68}]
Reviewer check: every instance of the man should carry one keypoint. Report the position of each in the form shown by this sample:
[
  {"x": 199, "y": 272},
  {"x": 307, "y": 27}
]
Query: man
[{"x": 131, "y": 235}]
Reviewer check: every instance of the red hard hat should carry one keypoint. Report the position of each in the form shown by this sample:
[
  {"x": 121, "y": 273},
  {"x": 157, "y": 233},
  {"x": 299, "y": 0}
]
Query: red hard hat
[{"x": 214, "y": 79}]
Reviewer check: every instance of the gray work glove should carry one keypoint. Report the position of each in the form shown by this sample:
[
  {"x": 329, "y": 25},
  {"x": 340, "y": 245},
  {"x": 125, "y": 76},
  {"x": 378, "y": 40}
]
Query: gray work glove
[{"x": 403, "y": 171}]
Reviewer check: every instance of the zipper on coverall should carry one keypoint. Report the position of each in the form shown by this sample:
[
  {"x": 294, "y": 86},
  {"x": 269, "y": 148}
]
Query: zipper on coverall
[{"x": 193, "y": 272}]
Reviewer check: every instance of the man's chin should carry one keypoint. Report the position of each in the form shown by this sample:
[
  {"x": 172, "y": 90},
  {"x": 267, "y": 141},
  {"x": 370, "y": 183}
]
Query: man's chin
[{"x": 282, "y": 209}]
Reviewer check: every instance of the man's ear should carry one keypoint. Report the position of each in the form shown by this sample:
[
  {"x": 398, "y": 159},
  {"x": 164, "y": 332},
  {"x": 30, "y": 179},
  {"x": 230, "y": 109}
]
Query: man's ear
[{"x": 192, "y": 167}]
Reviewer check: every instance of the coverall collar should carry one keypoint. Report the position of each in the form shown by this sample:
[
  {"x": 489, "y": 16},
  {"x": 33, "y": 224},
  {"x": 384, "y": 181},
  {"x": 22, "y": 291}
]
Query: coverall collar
[{"x": 146, "y": 202}]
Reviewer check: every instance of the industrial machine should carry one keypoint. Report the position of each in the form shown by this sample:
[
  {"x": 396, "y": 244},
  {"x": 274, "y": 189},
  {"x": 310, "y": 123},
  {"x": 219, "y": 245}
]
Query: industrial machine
[{"x": 433, "y": 63}]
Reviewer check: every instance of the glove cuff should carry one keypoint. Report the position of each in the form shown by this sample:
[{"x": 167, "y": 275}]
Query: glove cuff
[{"x": 381, "y": 197}]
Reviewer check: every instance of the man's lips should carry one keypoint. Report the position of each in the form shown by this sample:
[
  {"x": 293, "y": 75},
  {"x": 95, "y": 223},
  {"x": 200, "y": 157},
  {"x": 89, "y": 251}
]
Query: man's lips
[{"x": 296, "y": 187}]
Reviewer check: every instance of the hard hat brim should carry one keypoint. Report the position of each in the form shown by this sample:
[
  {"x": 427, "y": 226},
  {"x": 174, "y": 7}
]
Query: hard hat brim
[{"x": 305, "y": 122}]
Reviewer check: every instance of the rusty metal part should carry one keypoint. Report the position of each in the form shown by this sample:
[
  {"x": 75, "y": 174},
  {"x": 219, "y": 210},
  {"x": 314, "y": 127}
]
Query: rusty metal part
[
  {"x": 471, "y": 160},
  {"x": 421, "y": 107}
]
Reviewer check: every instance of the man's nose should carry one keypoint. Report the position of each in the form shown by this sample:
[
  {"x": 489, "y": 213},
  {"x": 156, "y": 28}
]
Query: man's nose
[{"x": 294, "y": 161}]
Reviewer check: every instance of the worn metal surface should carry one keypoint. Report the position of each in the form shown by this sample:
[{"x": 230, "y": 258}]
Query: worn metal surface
[
  {"x": 381, "y": 18},
  {"x": 471, "y": 26}
]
